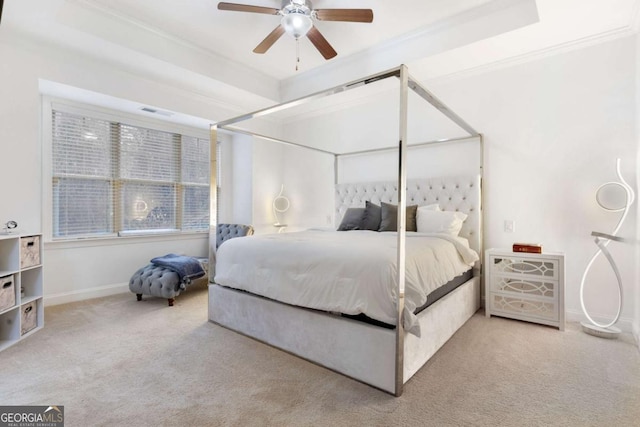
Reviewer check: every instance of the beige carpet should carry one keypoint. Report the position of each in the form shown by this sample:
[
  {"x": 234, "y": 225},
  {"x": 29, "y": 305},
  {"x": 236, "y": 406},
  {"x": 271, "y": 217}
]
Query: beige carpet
[{"x": 118, "y": 362}]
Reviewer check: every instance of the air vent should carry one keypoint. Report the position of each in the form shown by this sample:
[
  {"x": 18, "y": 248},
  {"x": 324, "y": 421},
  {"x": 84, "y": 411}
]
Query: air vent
[{"x": 154, "y": 111}]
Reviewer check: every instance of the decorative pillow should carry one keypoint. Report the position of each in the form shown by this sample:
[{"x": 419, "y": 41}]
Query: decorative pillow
[
  {"x": 371, "y": 218},
  {"x": 389, "y": 218},
  {"x": 434, "y": 207},
  {"x": 352, "y": 219},
  {"x": 449, "y": 222}
]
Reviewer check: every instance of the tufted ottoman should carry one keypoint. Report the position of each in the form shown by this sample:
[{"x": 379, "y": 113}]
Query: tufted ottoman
[{"x": 163, "y": 282}]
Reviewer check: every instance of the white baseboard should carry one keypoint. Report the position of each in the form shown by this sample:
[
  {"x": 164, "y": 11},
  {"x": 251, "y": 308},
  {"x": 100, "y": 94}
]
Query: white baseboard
[
  {"x": 624, "y": 323},
  {"x": 84, "y": 294}
]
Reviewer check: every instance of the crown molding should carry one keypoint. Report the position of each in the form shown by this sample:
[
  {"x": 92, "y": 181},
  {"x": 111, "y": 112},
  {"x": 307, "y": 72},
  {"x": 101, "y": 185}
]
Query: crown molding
[
  {"x": 469, "y": 26},
  {"x": 18, "y": 38},
  {"x": 109, "y": 11},
  {"x": 536, "y": 55},
  {"x": 228, "y": 70}
]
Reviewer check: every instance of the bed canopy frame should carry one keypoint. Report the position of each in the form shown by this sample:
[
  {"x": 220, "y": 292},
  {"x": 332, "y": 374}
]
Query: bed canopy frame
[{"x": 406, "y": 83}]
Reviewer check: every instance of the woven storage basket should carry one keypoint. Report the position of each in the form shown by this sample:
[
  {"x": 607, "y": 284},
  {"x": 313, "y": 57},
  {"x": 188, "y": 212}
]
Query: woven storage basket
[
  {"x": 29, "y": 317},
  {"x": 29, "y": 251},
  {"x": 7, "y": 292}
]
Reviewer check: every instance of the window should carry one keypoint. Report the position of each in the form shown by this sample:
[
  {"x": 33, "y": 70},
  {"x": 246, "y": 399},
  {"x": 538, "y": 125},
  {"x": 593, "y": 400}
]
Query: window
[{"x": 112, "y": 178}]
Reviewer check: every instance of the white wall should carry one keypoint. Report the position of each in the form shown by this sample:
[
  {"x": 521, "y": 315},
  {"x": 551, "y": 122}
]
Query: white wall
[
  {"x": 76, "y": 271},
  {"x": 372, "y": 122},
  {"x": 450, "y": 159},
  {"x": 267, "y": 176},
  {"x": 307, "y": 177},
  {"x": 253, "y": 173},
  {"x": 553, "y": 128},
  {"x": 251, "y": 177}
]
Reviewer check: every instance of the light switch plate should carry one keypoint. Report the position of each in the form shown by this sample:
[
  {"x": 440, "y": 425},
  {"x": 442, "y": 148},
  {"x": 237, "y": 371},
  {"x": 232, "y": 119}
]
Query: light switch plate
[{"x": 509, "y": 226}]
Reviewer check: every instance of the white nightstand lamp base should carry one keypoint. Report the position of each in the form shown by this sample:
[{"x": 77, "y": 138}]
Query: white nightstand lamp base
[{"x": 610, "y": 332}]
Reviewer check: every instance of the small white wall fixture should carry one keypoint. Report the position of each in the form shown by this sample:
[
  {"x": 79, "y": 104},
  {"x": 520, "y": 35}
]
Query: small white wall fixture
[{"x": 614, "y": 196}]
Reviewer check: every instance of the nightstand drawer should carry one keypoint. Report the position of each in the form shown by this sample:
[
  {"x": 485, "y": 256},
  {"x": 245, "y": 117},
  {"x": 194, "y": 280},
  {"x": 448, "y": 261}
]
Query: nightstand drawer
[
  {"x": 527, "y": 286},
  {"x": 511, "y": 265},
  {"x": 510, "y": 306}
]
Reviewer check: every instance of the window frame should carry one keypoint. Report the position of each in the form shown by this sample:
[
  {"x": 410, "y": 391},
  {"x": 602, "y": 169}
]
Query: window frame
[{"x": 49, "y": 104}]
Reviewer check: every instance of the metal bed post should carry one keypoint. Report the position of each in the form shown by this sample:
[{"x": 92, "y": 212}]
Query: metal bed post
[
  {"x": 402, "y": 220},
  {"x": 213, "y": 195},
  {"x": 481, "y": 216}
]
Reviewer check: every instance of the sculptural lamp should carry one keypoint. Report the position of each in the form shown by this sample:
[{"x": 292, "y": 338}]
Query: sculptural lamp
[
  {"x": 613, "y": 197},
  {"x": 280, "y": 205}
]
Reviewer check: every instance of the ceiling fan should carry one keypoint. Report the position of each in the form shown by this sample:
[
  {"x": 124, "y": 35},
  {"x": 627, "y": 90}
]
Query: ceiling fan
[
  {"x": 297, "y": 20},
  {"x": 1, "y": 4}
]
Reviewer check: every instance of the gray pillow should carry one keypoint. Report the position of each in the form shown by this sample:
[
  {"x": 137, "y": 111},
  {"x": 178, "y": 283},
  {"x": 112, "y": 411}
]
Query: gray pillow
[
  {"x": 352, "y": 219},
  {"x": 371, "y": 217},
  {"x": 389, "y": 218}
]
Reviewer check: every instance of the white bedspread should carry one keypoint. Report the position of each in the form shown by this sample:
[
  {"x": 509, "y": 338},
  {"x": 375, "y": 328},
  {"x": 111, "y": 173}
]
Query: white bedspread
[{"x": 349, "y": 272}]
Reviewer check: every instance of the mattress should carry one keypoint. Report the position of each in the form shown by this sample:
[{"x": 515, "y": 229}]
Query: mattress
[
  {"x": 352, "y": 272},
  {"x": 433, "y": 297}
]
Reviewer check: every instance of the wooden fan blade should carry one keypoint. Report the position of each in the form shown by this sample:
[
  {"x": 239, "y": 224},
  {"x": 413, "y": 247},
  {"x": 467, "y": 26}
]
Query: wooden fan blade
[
  {"x": 348, "y": 15},
  {"x": 247, "y": 8},
  {"x": 321, "y": 43},
  {"x": 269, "y": 40}
]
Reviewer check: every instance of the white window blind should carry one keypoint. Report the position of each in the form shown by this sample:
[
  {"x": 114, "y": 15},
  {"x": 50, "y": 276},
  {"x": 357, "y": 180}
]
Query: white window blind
[
  {"x": 113, "y": 178},
  {"x": 196, "y": 177}
]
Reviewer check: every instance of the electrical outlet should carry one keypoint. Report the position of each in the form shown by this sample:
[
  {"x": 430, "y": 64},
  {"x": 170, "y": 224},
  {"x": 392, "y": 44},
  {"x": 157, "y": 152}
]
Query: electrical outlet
[{"x": 509, "y": 226}]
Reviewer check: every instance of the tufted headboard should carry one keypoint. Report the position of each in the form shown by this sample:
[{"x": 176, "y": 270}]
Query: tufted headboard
[
  {"x": 229, "y": 231},
  {"x": 458, "y": 193}
]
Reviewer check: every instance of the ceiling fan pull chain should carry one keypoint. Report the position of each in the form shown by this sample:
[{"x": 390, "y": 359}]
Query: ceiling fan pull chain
[{"x": 297, "y": 53}]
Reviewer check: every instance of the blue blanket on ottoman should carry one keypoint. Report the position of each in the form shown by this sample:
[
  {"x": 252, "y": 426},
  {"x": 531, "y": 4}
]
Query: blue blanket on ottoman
[{"x": 187, "y": 268}]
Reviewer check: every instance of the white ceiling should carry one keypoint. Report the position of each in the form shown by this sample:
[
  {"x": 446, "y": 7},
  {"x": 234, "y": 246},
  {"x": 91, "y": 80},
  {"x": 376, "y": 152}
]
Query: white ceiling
[
  {"x": 235, "y": 34},
  {"x": 196, "y": 42}
]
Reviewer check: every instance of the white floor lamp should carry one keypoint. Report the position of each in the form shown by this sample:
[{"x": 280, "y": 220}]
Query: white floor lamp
[{"x": 614, "y": 197}]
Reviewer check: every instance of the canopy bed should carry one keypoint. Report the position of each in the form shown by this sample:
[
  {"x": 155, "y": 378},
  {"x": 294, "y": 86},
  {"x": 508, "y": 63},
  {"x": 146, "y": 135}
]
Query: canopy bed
[{"x": 372, "y": 305}]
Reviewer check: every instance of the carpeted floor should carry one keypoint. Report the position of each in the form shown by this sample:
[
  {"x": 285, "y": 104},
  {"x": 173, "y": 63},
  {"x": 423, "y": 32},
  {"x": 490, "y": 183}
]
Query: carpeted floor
[{"x": 118, "y": 362}]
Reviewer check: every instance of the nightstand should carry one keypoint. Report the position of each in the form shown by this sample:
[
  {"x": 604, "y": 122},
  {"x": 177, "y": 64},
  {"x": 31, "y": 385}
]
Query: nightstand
[{"x": 525, "y": 286}]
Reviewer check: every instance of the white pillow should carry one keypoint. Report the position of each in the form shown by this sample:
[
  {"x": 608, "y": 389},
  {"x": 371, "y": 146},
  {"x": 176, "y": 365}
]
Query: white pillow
[
  {"x": 434, "y": 207},
  {"x": 430, "y": 221}
]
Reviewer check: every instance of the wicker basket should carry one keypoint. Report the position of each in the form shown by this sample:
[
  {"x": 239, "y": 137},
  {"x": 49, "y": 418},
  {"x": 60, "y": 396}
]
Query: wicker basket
[
  {"x": 29, "y": 251},
  {"x": 7, "y": 292},
  {"x": 29, "y": 317}
]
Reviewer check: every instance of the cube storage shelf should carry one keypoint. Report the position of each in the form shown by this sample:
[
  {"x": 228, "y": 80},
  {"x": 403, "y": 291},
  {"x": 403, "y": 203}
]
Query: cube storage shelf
[{"x": 21, "y": 264}]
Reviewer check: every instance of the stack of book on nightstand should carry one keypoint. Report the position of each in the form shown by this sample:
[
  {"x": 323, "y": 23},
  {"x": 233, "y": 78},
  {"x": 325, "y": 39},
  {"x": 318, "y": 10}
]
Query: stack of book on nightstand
[{"x": 531, "y": 248}]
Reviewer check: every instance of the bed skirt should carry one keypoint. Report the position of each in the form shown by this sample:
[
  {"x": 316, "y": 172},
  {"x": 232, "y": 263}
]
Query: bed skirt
[{"x": 358, "y": 350}]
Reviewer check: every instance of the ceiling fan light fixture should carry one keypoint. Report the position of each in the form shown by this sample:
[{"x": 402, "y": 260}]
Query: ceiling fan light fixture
[
  {"x": 297, "y": 20},
  {"x": 296, "y": 24}
]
